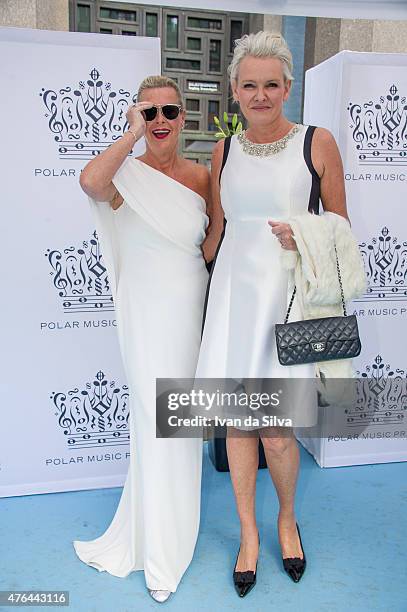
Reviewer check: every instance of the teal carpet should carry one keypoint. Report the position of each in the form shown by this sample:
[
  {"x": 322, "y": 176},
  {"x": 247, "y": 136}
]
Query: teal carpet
[{"x": 353, "y": 524}]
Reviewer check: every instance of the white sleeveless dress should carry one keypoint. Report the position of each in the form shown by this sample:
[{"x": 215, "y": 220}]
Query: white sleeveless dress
[
  {"x": 249, "y": 290},
  {"x": 151, "y": 246}
]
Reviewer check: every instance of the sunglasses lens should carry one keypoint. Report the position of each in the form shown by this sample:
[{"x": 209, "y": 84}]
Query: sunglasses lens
[
  {"x": 150, "y": 113},
  {"x": 170, "y": 111}
]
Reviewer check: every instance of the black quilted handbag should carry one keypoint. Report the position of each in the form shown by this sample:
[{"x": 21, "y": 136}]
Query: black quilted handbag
[{"x": 313, "y": 340}]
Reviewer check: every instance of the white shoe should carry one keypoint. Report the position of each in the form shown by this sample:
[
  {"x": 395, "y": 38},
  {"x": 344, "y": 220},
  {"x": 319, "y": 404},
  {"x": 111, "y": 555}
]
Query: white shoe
[{"x": 159, "y": 596}]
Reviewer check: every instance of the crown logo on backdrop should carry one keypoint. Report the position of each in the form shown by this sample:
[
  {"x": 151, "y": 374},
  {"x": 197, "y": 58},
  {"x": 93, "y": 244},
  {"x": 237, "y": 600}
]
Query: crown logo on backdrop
[
  {"x": 385, "y": 260},
  {"x": 379, "y": 129},
  {"x": 85, "y": 121},
  {"x": 95, "y": 416},
  {"x": 80, "y": 277},
  {"x": 381, "y": 396}
]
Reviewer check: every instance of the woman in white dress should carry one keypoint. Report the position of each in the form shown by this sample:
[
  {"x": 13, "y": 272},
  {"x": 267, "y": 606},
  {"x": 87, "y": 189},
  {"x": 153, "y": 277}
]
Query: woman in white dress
[
  {"x": 151, "y": 220},
  {"x": 271, "y": 171}
]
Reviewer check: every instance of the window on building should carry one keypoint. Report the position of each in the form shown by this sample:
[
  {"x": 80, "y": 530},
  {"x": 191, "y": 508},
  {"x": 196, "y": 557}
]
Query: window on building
[
  {"x": 192, "y": 105},
  {"x": 172, "y": 31},
  {"x": 191, "y": 125},
  {"x": 213, "y": 109},
  {"x": 105, "y": 31},
  {"x": 83, "y": 18},
  {"x": 151, "y": 24},
  {"x": 117, "y": 14},
  {"x": 204, "y": 24},
  {"x": 128, "y": 33},
  {"x": 194, "y": 44},
  {"x": 236, "y": 31},
  {"x": 215, "y": 56},
  {"x": 182, "y": 64},
  {"x": 199, "y": 145}
]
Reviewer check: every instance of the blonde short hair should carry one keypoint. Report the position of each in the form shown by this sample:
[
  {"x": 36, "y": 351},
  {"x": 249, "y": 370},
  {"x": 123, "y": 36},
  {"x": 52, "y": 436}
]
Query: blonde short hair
[
  {"x": 261, "y": 44},
  {"x": 158, "y": 81}
]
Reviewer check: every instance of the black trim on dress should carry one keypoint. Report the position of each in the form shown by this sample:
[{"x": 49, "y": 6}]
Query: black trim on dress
[
  {"x": 315, "y": 194},
  {"x": 226, "y": 148}
]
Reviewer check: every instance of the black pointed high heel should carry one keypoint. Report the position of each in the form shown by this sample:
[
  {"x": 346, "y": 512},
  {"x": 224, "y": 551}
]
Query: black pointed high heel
[
  {"x": 244, "y": 581},
  {"x": 294, "y": 566}
]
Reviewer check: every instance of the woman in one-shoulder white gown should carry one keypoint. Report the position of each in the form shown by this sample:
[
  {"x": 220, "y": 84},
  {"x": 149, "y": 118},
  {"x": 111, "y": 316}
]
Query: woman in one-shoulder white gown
[{"x": 150, "y": 218}]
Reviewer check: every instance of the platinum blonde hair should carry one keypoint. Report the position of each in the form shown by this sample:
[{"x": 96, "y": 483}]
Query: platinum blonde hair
[
  {"x": 158, "y": 81},
  {"x": 261, "y": 44}
]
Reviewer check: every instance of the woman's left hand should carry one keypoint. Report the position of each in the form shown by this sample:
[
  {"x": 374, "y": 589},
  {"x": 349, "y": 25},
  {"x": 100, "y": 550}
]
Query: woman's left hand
[{"x": 284, "y": 233}]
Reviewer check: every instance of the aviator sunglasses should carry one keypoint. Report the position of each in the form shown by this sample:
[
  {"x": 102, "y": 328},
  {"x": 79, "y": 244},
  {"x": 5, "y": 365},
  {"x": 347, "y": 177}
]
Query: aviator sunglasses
[{"x": 170, "y": 111}]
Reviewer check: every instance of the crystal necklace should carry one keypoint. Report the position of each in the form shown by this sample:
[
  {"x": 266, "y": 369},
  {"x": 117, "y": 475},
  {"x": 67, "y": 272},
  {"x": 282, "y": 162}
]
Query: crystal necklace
[{"x": 268, "y": 148}]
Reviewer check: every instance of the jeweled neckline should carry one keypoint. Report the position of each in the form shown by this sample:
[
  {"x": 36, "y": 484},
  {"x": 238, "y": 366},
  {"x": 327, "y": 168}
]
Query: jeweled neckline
[{"x": 268, "y": 148}]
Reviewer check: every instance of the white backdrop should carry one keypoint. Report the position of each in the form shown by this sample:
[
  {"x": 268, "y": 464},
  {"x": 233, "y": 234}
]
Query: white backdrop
[
  {"x": 361, "y": 98},
  {"x": 63, "y": 392}
]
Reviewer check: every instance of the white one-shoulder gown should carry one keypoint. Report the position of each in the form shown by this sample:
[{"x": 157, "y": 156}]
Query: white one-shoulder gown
[{"x": 151, "y": 246}]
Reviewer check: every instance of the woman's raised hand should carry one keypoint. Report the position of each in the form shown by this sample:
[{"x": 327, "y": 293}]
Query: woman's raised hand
[
  {"x": 284, "y": 233},
  {"x": 136, "y": 121}
]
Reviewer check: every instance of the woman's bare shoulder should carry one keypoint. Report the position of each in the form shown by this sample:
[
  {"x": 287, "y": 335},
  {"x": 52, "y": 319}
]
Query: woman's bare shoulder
[
  {"x": 193, "y": 166},
  {"x": 323, "y": 138},
  {"x": 217, "y": 151},
  {"x": 324, "y": 150},
  {"x": 199, "y": 172},
  {"x": 196, "y": 177}
]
